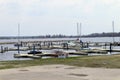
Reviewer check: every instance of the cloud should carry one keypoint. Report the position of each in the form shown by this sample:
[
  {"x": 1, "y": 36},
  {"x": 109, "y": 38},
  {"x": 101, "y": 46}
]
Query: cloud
[
  {"x": 109, "y": 2},
  {"x": 62, "y": 3},
  {"x": 27, "y": 5},
  {"x": 48, "y": 7},
  {"x": 53, "y": 13}
]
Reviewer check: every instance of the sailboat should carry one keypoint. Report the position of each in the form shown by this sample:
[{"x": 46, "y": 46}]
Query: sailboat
[
  {"x": 79, "y": 32},
  {"x": 18, "y": 44}
]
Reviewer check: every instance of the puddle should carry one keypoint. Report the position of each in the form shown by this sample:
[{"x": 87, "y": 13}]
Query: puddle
[
  {"x": 23, "y": 70},
  {"x": 71, "y": 68},
  {"x": 81, "y": 75}
]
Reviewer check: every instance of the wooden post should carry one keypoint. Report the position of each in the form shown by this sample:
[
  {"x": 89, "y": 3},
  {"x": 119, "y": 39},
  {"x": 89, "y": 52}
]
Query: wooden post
[
  {"x": 51, "y": 44},
  {"x": 33, "y": 49},
  {"x": 2, "y": 49},
  {"x": 105, "y": 45},
  {"x": 63, "y": 45},
  {"x": 21, "y": 43},
  {"x": 82, "y": 45},
  {"x": 87, "y": 45},
  {"x": 110, "y": 47},
  {"x": 18, "y": 48},
  {"x": 40, "y": 45},
  {"x": 6, "y": 49},
  {"x": 48, "y": 45}
]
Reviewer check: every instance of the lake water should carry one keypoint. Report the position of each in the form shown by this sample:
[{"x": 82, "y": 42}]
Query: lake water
[
  {"x": 9, "y": 55},
  {"x": 95, "y": 39}
]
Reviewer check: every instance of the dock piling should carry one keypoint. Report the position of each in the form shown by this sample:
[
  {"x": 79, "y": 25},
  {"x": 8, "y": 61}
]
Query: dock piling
[
  {"x": 2, "y": 49},
  {"x": 110, "y": 47}
]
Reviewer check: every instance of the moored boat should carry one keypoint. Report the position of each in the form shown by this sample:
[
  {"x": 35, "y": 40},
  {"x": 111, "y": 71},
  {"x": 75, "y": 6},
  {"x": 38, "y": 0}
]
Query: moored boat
[{"x": 35, "y": 52}]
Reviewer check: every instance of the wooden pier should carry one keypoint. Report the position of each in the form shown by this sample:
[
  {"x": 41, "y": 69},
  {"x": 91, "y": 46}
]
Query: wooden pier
[
  {"x": 26, "y": 56},
  {"x": 62, "y": 44},
  {"x": 58, "y": 54},
  {"x": 36, "y": 56}
]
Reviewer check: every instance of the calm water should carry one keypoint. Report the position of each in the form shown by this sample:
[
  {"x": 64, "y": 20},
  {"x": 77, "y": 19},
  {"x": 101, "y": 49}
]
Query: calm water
[
  {"x": 9, "y": 55},
  {"x": 95, "y": 39}
]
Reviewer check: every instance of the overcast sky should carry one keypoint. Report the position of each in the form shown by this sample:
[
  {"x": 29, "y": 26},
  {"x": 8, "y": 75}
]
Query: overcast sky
[{"x": 42, "y": 17}]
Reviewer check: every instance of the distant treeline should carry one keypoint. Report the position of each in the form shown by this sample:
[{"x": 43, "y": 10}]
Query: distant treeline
[
  {"x": 63, "y": 36},
  {"x": 117, "y": 34}
]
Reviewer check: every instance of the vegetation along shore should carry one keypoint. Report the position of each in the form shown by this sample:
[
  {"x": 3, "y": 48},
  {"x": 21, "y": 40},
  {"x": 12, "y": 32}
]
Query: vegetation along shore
[{"x": 109, "y": 61}]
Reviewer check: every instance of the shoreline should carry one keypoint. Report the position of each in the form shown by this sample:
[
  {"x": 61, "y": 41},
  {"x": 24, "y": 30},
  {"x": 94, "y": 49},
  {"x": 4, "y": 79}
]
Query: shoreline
[{"x": 59, "y": 72}]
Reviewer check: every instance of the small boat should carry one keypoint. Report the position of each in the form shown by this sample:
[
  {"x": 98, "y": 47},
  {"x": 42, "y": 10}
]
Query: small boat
[{"x": 35, "y": 52}]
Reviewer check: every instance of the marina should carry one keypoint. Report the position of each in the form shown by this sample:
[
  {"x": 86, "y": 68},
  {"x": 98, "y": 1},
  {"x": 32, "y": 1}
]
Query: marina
[
  {"x": 59, "y": 40},
  {"x": 9, "y": 51}
]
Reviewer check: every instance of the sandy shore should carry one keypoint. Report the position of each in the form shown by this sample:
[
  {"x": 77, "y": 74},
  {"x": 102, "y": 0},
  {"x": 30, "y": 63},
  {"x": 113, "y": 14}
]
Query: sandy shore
[{"x": 59, "y": 72}]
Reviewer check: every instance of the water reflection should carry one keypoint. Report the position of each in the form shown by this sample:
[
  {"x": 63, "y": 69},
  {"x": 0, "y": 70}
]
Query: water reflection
[{"x": 9, "y": 56}]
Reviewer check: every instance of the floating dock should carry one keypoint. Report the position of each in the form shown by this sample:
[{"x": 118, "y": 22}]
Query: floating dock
[
  {"x": 36, "y": 56},
  {"x": 26, "y": 56},
  {"x": 77, "y": 53},
  {"x": 57, "y": 55}
]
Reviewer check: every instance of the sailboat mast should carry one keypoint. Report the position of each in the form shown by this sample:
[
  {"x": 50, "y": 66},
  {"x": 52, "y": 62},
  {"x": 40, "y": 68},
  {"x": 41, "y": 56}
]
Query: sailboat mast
[
  {"x": 79, "y": 27},
  {"x": 18, "y": 38},
  {"x": 80, "y": 30},
  {"x": 113, "y": 31},
  {"x": 18, "y": 33},
  {"x": 77, "y": 30}
]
